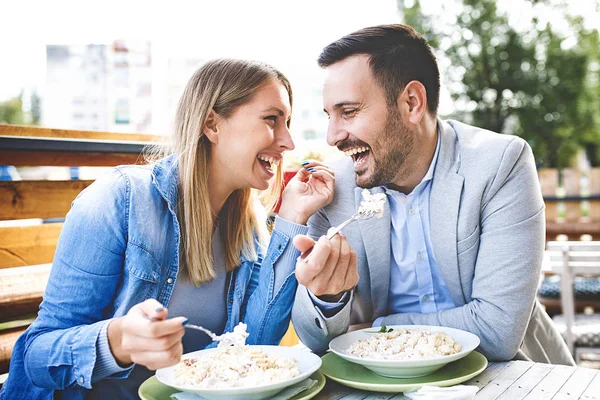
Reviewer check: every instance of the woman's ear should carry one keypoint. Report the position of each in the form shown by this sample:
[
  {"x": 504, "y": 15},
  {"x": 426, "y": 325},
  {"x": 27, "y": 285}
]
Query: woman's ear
[{"x": 210, "y": 127}]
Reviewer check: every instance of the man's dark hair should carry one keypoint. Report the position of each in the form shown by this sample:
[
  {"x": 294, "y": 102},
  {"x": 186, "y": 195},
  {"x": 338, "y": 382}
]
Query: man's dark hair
[{"x": 398, "y": 55}]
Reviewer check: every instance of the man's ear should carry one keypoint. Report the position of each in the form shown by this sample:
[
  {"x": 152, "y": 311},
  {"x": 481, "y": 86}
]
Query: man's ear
[
  {"x": 211, "y": 126},
  {"x": 412, "y": 102}
]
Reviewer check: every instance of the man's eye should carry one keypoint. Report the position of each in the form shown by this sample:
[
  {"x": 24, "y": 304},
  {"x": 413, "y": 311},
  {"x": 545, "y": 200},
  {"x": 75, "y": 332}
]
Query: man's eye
[{"x": 350, "y": 111}]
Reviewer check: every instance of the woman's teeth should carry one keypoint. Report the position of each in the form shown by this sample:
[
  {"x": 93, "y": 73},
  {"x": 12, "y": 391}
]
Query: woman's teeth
[{"x": 270, "y": 161}]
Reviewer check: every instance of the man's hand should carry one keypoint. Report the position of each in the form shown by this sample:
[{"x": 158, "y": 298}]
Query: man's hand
[{"x": 328, "y": 268}]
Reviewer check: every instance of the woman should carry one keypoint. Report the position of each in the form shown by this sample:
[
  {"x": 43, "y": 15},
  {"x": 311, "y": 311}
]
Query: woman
[{"x": 185, "y": 233}]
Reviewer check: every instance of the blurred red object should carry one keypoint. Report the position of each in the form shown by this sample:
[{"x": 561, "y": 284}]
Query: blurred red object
[{"x": 287, "y": 175}]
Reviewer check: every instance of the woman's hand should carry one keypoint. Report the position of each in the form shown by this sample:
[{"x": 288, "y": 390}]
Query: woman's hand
[
  {"x": 144, "y": 336},
  {"x": 310, "y": 190}
]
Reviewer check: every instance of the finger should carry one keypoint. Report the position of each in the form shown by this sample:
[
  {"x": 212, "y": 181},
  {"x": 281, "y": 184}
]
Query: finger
[
  {"x": 159, "y": 359},
  {"x": 134, "y": 344},
  {"x": 320, "y": 284},
  {"x": 151, "y": 308},
  {"x": 303, "y": 243},
  {"x": 340, "y": 269},
  {"x": 352, "y": 277},
  {"x": 139, "y": 325},
  {"x": 307, "y": 271}
]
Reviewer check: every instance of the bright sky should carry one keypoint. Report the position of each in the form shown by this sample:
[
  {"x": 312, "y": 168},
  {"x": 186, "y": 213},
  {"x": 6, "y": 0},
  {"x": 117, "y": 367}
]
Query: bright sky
[{"x": 287, "y": 34}]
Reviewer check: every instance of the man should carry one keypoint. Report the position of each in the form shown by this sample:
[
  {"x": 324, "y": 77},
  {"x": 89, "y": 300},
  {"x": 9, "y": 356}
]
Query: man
[{"x": 462, "y": 237}]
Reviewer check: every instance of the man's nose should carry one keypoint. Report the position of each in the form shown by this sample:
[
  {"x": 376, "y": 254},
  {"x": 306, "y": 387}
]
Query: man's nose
[{"x": 335, "y": 133}]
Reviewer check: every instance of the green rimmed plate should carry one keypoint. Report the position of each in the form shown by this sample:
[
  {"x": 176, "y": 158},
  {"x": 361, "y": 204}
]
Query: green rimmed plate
[
  {"x": 359, "y": 377},
  {"x": 152, "y": 389}
]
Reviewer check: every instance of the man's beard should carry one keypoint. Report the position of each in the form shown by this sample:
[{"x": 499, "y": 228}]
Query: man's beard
[{"x": 395, "y": 144}]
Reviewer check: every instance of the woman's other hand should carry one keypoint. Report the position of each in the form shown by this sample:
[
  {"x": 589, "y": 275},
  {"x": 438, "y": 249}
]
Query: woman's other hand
[
  {"x": 307, "y": 192},
  {"x": 144, "y": 336}
]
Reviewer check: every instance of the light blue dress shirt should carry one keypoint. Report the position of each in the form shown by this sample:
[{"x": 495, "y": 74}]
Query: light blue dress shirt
[{"x": 416, "y": 283}]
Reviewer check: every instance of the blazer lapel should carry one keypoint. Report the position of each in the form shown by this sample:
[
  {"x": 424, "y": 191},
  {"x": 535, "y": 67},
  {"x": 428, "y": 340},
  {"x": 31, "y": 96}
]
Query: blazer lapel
[
  {"x": 376, "y": 235},
  {"x": 444, "y": 204}
]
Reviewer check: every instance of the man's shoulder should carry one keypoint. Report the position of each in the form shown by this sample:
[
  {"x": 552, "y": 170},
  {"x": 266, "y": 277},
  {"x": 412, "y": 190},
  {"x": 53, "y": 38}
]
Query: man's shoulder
[{"x": 481, "y": 147}]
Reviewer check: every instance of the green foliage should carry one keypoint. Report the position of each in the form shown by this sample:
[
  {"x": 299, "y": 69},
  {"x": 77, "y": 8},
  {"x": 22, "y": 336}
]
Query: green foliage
[
  {"x": 11, "y": 111},
  {"x": 538, "y": 83}
]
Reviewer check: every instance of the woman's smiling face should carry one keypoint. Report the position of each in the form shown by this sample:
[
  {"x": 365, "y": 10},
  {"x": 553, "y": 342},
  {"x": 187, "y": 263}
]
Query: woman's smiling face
[{"x": 252, "y": 140}]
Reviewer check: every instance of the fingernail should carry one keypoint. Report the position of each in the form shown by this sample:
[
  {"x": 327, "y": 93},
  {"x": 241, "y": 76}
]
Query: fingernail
[
  {"x": 341, "y": 233},
  {"x": 159, "y": 309},
  {"x": 185, "y": 321},
  {"x": 311, "y": 169},
  {"x": 305, "y": 163}
]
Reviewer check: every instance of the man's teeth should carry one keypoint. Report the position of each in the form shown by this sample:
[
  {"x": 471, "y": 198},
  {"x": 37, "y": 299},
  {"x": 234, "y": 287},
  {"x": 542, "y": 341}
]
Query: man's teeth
[
  {"x": 273, "y": 161},
  {"x": 356, "y": 150}
]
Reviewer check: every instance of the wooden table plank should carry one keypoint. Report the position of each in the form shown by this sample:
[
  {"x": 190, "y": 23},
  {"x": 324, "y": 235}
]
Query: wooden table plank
[
  {"x": 504, "y": 380},
  {"x": 576, "y": 384},
  {"x": 593, "y": 390},
  {"x": 488, "y": 375},
  {"x": 526, "y": 382},
  {"x": 551, "y": 384}
]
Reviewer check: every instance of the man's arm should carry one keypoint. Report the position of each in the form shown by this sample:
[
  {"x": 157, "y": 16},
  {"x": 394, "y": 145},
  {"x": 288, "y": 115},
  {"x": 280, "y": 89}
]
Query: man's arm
[
  {"x": 508, "y": 261},
  {"x": 329, "y": 271}
]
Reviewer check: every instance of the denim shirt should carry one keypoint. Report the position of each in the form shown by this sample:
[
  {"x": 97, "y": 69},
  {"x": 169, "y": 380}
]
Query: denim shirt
[{"x": 120, "y": 246}]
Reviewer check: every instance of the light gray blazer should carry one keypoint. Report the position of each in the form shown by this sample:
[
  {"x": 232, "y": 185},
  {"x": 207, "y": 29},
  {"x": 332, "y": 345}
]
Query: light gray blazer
[{"x": 487, "y": 232}]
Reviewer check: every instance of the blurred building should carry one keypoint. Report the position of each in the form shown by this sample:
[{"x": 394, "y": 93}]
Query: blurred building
[{"x": 99, "y": 87}]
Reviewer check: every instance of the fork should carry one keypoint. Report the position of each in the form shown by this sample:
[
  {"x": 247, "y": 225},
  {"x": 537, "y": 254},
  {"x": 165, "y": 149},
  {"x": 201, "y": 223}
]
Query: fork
[
  {"x": 211, "y": 334},
  {"x": 362, "y": 214}
]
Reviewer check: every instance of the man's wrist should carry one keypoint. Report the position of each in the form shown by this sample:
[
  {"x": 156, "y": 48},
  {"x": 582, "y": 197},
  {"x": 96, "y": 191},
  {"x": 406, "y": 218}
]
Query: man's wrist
[{"x": 331, "y": 298}]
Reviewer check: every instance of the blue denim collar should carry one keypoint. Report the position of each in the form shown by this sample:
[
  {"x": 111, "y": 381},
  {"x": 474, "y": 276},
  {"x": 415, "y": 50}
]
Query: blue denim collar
[{"x": 165, "y": 178}]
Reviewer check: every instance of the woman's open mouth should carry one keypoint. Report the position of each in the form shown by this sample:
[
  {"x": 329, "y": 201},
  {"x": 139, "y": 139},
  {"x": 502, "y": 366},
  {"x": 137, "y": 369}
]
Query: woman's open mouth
[{"x": 268, "y": 163}]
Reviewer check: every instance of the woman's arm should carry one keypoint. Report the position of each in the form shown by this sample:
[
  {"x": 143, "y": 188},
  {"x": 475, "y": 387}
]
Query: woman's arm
[{"x": 60, "y": 349}]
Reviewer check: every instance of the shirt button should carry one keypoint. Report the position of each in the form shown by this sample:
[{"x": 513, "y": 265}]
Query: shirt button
[
  {"x": 170, "y": 280},
  {"x": 411, "y": 211},
  {"x": 426, "y": 298},
  {"x": 420, "y": 256},
  {"x": 81, "y": 379}
]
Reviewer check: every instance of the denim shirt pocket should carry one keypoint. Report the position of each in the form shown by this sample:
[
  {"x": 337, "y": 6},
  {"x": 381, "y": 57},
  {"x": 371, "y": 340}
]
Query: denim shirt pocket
[{"x": 142, "y": 273}]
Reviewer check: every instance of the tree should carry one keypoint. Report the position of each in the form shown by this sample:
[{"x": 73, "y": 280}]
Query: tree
[
  {"x": 535, "y": 82},
  {"x": 11, "y": 111}
]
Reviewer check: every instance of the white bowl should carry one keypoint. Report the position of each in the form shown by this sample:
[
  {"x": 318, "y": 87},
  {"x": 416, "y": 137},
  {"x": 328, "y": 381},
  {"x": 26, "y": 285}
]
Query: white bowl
[
  {"x": 306, "y": 362},
  {"x": 404, "y": 368}
]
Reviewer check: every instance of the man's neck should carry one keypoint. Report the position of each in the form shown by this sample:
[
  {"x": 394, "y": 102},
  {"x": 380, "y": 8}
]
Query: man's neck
[{"x": 417, "y": 165}]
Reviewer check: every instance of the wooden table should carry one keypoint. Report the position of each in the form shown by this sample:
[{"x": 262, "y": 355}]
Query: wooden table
[{"x": 512, "y": 380}]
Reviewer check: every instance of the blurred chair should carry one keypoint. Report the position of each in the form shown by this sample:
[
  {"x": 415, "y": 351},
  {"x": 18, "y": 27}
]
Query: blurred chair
[{"x": 581, "y": 331}]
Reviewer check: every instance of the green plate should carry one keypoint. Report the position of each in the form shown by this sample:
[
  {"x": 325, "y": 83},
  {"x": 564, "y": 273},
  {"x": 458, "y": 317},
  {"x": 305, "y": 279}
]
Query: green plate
[
  {"x": 152, "y": 389},
  {"x": 359, "y": 377}
]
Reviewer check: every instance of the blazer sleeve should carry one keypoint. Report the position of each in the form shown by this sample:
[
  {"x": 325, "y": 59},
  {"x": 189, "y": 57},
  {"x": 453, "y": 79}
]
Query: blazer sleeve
[
  {"x": 314, "y": 329},
  {"x": 508, "y": 262}
]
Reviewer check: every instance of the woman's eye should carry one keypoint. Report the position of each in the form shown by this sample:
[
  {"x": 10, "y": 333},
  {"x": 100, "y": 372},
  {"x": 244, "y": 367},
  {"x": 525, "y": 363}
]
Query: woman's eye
[{"x": 271, "y": 118}]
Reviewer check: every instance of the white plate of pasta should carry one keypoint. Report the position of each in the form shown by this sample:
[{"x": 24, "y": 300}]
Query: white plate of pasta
[
  {"x": 251, "y": 372},
  {"x": 404, "y": 351}
]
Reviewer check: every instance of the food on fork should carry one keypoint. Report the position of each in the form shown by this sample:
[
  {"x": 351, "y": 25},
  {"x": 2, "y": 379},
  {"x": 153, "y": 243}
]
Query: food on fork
[
  {"x": 372, "y": 203},
  {"x": 405, "y": 344},
  {"x": 235, "y": 364}
]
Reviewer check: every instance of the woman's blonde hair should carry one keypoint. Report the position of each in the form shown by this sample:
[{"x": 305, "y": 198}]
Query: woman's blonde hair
[{"x": 221, "y": 85}]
